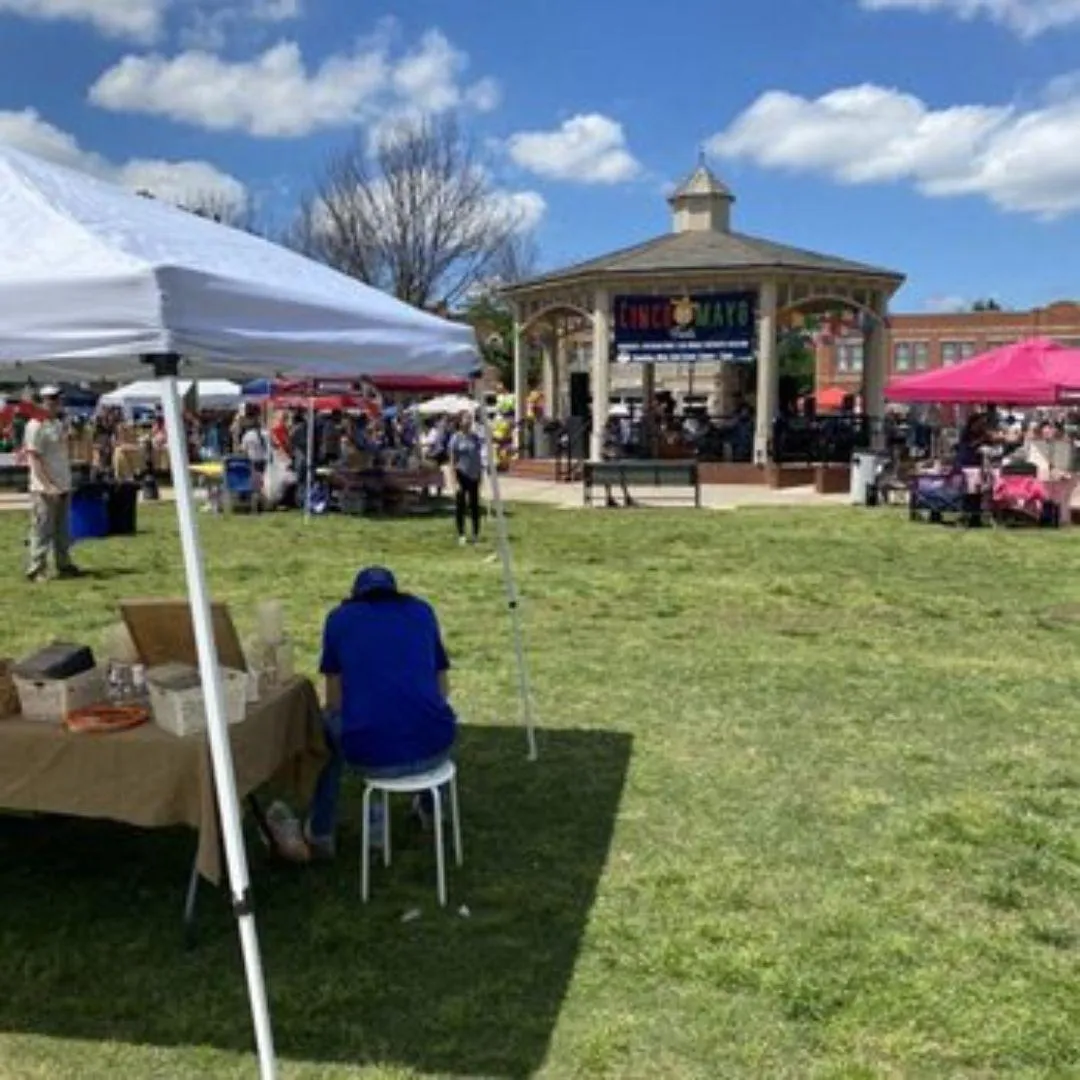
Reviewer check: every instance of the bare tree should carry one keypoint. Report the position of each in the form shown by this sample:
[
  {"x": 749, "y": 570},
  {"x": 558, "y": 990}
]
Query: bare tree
[
  {"x": 218, "y": 207},
  {"x": 417, "y": 216},
  {"x": 515, "y": 261}
]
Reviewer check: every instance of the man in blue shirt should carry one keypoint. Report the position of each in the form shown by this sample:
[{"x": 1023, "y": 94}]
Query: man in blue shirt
[{"x": 387, "y": 691}]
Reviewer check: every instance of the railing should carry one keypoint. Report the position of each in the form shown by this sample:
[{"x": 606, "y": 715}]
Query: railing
[{"x": 794, "y": 440}]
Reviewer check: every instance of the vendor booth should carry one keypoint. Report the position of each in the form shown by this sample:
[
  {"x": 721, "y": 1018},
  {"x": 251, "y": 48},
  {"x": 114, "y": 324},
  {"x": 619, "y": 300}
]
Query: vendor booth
[
  {"x": 91, "y": 276},
  {"x": 1034, "y": 484}
]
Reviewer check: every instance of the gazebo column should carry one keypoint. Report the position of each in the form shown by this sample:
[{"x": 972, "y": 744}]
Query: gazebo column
[
  {"x": 601, "y": 372},
  {"x": 549, "y": 373},
  {"x": 560, "y": 376},
  {"x": 875, "y": 369},
  {"x": 768, "y": 373},
  {"x": 521, "y": 391}
]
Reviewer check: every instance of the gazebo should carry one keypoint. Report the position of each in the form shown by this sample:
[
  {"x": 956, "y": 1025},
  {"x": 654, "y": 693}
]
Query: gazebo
[{"x": 702, "y": 294}]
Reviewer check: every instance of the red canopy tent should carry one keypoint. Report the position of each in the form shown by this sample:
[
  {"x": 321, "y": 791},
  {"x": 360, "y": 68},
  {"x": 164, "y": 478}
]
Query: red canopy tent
[
  {"x": 327, "y": 403},
  {"x": 1036, "y": 371},
  {"x": 25, "y": 409},
  {"x": 832, "y": 398},
  {"x": 434, "y": 385}
]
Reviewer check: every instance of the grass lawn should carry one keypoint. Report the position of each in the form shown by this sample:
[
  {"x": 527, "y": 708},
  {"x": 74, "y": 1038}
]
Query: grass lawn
[{"x": 807, "y": 806}]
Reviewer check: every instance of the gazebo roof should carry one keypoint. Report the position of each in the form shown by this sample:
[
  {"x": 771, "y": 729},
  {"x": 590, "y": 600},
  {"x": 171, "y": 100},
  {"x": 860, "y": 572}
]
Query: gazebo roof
[
  {"x": 702, "y": 182},
  {"x": 703, "y": 251}
]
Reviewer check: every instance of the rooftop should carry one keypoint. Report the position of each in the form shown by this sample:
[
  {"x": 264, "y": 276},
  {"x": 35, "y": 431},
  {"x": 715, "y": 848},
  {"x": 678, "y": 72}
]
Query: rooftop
[
  {"x": 701, "y": 182},
  {"x": 704, "y": 251},
  {"x": 702, "y": 240}
]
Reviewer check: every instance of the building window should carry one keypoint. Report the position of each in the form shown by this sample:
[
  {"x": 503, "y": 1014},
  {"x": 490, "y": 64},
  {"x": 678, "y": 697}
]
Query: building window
[
  {"x": 921, "y": 355},
  {"x": 849, "y": 356},
  {"x": 952, "y": 352},
  {"x": 902, "y": 356}
]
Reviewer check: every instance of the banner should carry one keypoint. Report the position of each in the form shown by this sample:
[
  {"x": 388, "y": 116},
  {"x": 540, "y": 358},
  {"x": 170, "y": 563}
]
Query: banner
[{"x": 709, "y": 326}]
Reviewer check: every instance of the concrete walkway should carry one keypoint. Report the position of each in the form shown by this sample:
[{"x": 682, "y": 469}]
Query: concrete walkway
[
  {"x": 568, "y": 496},
  {"x": 713, "y": 496}
]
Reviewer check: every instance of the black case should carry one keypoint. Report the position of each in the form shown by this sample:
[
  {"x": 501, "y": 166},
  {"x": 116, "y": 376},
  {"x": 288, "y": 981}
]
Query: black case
[{"x": 57, "y": 661}]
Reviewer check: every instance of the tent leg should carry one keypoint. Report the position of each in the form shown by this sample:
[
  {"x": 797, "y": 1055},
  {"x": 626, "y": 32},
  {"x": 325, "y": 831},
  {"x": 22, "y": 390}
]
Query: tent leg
[
  {"x": 165, "y": 367},
  {"x": 189, "y": 904},
  {"x": 502, "y": 540},
  {"x": 309, "y": 465}
]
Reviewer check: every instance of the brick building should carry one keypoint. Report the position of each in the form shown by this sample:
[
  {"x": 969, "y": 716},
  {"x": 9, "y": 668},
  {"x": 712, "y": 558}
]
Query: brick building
[{"x": 920, "y": 342}]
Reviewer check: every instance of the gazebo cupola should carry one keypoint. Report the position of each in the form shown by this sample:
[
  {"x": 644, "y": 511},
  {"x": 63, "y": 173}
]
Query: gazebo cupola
[{"x": 702, "y": 203}]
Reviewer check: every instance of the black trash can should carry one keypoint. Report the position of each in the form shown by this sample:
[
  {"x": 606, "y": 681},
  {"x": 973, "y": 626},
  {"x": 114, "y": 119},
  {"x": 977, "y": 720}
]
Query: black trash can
[{"x": 123, "y": 506}]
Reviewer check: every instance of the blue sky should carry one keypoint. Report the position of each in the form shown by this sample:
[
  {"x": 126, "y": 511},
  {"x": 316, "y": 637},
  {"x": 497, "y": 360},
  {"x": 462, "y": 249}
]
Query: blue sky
[{"x": 937, "y": 137}]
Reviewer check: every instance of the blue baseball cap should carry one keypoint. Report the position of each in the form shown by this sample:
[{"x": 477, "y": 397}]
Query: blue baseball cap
[{"x": 373, "y": 579}]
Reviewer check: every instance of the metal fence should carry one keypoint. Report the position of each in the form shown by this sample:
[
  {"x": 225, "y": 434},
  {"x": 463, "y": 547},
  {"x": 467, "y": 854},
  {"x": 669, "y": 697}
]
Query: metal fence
[{"x": 793, "y": 440}]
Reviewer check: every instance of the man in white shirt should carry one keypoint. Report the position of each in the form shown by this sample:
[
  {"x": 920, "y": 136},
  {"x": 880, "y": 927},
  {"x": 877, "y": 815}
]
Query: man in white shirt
[{"x": 46, "y": 446}]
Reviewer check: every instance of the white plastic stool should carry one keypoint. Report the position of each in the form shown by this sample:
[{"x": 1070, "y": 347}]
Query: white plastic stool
[{"x": 434, "y": 781}]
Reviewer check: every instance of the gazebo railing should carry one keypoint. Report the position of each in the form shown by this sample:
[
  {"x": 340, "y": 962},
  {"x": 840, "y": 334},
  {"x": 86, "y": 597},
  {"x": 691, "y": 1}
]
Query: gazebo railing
[{"x": 730, "y": 438}]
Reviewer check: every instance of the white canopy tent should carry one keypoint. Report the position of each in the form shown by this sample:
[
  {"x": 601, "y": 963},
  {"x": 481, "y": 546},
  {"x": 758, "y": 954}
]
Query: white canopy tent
[
  {"x": 447, "y": 405},
  {"x": 91, "y": 276},
  {"x": 212, "y": 394}
]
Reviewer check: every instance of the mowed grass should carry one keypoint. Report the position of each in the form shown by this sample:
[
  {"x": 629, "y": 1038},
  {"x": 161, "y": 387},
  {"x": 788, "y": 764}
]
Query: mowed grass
[{"x": 807, "y": 806}]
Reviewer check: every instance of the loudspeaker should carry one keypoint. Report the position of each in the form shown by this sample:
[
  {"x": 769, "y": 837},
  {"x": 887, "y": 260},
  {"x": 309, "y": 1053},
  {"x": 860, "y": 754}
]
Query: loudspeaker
[
  {"x": 579, "y": 393},
  {"x": 577, "y": 437}
]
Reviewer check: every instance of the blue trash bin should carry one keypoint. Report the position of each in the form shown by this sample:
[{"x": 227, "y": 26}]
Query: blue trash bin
[{"x": 89, "y": 513}]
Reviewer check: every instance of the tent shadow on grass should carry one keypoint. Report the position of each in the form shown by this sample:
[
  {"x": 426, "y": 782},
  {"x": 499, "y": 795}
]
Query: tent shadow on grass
[{"x": 91, "y": 928}]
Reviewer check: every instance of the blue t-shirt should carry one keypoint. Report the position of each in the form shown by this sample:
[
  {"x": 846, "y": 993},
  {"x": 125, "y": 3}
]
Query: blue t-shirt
[
  {"x": 466, "y": 454},
  {"x": 389, "y": 654}
]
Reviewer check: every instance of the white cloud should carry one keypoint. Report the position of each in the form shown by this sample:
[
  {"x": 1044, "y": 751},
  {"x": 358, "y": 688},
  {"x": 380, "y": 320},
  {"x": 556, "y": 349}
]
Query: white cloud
[
  {"x": 144, "y": 21},
  {"x": 524, "y": 209},
  {"x": 213, "y": 23},
  {"x": 275, "y": 94},
  {"x": 274, "y": 11},
  {"x": 174, "y": 181},
  {"x": 1025, "y": 160},
  {"x": 1027, "y": 18},
  {"x": 589, "y": 148},
  {"x": 946, "y": 305},
  {"x": 139, "y": 20}
]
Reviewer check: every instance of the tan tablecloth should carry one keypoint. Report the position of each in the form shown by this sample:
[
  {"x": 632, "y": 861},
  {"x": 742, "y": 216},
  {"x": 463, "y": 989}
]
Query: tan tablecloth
[{"x": 150, "y": 778}]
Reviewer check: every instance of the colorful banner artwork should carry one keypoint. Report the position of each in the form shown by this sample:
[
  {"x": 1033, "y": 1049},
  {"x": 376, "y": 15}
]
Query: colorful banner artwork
[{"x": 660, "y": 329}]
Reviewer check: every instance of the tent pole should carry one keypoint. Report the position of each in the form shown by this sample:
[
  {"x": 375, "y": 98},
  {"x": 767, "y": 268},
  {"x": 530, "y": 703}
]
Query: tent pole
[
  {"x": 502, "y": 541},
  {"x": 165, "y": 368},
  {"x": 309, "y": 464}
]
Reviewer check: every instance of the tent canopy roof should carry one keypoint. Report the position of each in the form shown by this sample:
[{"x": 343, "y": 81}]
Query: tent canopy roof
[
  {"x": 148, "y": 392},
  {"x": 1036, "y": 371},
  {"x": 89, "y": 272}
]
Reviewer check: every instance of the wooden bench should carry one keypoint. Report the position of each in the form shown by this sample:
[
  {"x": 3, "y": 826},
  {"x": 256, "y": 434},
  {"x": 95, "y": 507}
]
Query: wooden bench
[{"x": 629, "y": 472}]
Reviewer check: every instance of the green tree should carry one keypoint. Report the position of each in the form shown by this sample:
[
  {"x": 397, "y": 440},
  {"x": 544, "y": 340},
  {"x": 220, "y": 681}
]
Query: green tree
[
  {"x": 988, "y": 304},
  {"x": 494, "y": 325},
  {"x": 797, "y": 363}
]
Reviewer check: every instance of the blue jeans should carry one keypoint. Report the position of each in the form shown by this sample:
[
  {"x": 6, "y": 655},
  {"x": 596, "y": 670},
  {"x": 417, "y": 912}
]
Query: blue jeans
[{"x": 322, "y": 814}]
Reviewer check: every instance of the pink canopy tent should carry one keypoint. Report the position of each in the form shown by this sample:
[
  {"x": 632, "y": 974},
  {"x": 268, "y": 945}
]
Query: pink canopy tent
[{"x": 1032, "y": 372}]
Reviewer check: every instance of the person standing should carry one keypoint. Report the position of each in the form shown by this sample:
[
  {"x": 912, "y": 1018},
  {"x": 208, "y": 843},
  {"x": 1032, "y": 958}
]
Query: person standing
[
  {"x": 45, "y": 443},
  {"x": 466, "y": 451}
]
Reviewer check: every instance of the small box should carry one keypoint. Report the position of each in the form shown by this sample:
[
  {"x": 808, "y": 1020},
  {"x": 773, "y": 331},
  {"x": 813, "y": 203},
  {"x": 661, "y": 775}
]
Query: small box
[
  {"x": 178, "y": 705},
  {"x": 51, "y": 700}
]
